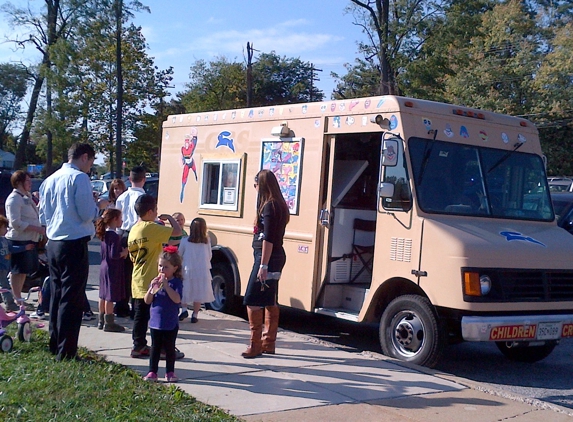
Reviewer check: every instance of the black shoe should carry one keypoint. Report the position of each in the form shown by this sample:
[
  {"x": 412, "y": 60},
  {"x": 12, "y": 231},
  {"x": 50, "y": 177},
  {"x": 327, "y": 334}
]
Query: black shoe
[
  {"x": 183, "y": 315},
  {"x": 178, "y": 354}
]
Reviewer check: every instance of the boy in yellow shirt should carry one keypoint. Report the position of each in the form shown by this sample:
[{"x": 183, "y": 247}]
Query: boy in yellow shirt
[{"x": 145, "y": 243}]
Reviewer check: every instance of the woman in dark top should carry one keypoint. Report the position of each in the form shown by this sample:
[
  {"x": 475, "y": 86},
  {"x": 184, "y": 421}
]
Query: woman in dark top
[{"x": 262, "y": 289}]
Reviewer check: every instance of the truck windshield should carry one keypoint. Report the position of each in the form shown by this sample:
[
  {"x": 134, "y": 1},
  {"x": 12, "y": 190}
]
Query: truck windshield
[{"x": 469, "y": 180}]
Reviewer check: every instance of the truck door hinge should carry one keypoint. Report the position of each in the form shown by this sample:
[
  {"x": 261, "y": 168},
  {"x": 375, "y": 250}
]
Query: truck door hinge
[{"x": 419, "y": 273}]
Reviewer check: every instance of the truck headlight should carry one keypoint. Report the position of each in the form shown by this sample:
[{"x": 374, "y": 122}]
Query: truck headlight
[
  {"x": 476, "y": 284},
  {"x": 485, "y": 284}
]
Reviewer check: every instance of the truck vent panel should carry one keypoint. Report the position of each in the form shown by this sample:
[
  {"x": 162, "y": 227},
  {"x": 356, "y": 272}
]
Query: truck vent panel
[{"x": 401, "y": 249}]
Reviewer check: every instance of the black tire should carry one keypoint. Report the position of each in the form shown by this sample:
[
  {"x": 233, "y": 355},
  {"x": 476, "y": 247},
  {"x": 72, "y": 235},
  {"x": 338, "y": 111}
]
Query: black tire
[
  {"x": 522, "y": 352},
  {"x": 410, "y": 331},
  {"x": 6, "y": 343},
  {"x": 24, "y": 331},
  {"x": 223, "y": 289}
]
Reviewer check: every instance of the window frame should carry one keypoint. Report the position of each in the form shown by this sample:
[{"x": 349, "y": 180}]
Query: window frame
[{"x": 234, "y": 210}]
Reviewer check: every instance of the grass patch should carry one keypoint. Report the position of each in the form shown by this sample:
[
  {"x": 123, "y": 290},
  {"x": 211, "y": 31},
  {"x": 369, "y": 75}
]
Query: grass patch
[{"x": 34, "y": 387}]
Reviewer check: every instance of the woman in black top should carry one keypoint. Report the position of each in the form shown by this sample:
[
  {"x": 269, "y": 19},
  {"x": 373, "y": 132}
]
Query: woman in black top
[{"x": 262, "y": 289}]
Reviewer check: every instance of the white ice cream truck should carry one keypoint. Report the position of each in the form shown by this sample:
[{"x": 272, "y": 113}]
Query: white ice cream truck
[{"x": 432, "y": 219}]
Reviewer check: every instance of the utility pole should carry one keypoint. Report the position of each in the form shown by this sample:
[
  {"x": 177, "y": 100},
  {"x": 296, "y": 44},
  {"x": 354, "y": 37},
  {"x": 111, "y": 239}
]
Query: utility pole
[
  {"x": 249, "y": 74},
  {"x": 119, "y": 107},
  {"x": 313, "y": 78}
]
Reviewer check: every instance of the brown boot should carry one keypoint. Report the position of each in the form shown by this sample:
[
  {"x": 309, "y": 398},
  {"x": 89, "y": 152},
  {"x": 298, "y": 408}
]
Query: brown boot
[
  {"x": 256, "y": 325},
  {"x": 110, "y": 326},
  {"x": 270, "y": 330}
]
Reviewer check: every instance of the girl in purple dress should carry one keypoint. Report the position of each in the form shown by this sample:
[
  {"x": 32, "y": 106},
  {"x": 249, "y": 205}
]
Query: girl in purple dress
[{"x": 111, "y": 282}]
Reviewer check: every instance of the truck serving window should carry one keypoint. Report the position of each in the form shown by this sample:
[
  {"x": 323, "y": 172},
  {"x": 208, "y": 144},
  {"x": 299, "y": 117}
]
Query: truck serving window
[
  {"x": 219, "y": 187},
  {"x": 469, "y": 180}
]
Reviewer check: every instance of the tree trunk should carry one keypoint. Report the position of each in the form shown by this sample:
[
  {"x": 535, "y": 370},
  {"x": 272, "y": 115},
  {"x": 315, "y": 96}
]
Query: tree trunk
[
  {"x": 20, "y": 159},
  {"x": 119, "y": 108}
]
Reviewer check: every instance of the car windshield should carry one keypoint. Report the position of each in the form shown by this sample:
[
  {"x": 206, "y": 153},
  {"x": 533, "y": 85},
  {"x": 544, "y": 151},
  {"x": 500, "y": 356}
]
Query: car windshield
[{"x": 485, "y": 182}]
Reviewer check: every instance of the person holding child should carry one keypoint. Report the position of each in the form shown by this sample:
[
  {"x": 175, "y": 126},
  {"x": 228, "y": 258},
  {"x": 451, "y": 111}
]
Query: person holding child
[
  {"x": 269, "y": 256},
  {"x": 111, "y": 276},
  {"x": 164, "y": 296},
  {"x": 195, "y": 253},
  {"x": 145, "y": 244}
]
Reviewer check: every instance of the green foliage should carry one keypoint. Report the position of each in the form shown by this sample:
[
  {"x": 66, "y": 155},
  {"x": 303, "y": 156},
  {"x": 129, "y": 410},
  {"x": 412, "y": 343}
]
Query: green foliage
[
  {"x": 281, "y": 80},
  {"x": 217, "y": 85},
  {"x": 221, "y": 84},
  {"x": 33, "y": 386},
  {"x": 13, "y": 85}
]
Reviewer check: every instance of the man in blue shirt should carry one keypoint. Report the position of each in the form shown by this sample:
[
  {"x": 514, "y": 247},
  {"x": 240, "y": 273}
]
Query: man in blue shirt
[{"x": 68, "y": 209}]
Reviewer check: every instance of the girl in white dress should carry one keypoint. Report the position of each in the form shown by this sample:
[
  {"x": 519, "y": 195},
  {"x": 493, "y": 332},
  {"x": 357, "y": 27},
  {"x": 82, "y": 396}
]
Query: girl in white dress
[{"x": 195, "y": 252}]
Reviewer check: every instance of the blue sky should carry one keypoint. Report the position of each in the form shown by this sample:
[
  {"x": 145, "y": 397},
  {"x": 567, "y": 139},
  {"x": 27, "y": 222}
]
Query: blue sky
[{"x": 179, "y": 32}]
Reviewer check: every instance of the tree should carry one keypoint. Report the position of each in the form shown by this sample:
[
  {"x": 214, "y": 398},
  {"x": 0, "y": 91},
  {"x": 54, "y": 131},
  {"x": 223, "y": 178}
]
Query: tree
[
  {"x": 44, "y": 30},
  {"x": 221, "y": 84},
  {"x": 217, "y": 85},
  {"x": 13, "y": 86},
  {"x": 396, "y": 31},
  {"x": 281, "y": 80},
  {"x": 361, "y": 80},
  {"x": 503, "y": 62}
]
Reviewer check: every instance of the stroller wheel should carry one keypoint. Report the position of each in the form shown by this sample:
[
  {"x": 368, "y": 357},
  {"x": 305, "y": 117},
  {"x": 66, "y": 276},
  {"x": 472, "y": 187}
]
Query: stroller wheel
[{"x": 6, "y": 343}]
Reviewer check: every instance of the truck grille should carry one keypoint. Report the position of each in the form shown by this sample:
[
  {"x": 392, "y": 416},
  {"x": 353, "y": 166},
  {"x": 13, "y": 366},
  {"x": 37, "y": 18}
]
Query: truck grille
[{"x": 536, "y": 285}]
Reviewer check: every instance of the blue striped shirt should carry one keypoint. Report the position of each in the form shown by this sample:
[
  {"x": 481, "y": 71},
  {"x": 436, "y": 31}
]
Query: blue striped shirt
[{"x": 67, "y": 206}]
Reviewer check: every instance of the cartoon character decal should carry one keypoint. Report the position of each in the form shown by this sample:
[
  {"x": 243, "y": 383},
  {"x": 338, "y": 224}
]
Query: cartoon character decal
[
  {"x": 448, "y": 131},
  {"x": 393, "y": 122},
  {"x": 427, "y": 123},
  {"x": 224, "y": 140},
  {"x": 187, "y": 160},
  {"x": 464, "y": 132}
]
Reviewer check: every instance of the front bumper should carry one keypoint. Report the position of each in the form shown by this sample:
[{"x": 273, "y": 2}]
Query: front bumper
[{"x": 517, "y": 328}]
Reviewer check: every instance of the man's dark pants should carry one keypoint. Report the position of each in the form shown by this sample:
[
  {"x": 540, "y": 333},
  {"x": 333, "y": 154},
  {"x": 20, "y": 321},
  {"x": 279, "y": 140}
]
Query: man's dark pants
[{"x": 68, "y": 261}]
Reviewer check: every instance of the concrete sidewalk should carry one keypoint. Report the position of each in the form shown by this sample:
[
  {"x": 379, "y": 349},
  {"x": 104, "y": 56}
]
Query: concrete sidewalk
[{"x": 309, "y": 380}]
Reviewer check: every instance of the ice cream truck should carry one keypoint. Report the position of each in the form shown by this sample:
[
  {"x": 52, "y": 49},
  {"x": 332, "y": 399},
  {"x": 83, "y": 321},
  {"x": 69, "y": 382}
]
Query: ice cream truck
[{"x": 431, "y": 219}]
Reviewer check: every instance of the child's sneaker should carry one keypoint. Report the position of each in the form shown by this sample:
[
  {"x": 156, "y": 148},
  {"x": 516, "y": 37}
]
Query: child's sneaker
[
  {"x": 171, "y": 377},
  {"x": 151, "y": 376}
]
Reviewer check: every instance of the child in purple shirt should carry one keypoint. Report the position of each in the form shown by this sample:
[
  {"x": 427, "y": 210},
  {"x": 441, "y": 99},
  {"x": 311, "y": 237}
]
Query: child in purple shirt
[{"x": 164, "y": 296}]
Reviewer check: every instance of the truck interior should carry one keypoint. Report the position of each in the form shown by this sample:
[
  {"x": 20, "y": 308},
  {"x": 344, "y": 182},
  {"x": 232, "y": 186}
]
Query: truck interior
[{"x": 353, "y": 208}]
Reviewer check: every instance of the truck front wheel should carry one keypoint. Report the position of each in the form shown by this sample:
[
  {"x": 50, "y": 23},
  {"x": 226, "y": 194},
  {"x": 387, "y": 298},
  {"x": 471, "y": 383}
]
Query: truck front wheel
[
  {"x": 522, "y": 352},
  {"x": 410, "y": 331},
  {"x": 223, "y": 289}
]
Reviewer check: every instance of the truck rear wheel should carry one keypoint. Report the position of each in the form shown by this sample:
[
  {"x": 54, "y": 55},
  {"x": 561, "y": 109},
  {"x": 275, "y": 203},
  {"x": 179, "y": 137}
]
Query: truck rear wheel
[
  {"x": 223, "y": 289},
  {"x": 522, "y": 352},
  {"x": 409, "y": 331}
]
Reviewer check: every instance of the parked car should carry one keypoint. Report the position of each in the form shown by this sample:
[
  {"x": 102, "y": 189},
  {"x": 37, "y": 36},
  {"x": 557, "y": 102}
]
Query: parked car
[
  {"x": 151, "y": 187},
  {"x": 563, "y": 207},
  {"x": 101, "y": 186},
  {"x": 561, "y": 185}
]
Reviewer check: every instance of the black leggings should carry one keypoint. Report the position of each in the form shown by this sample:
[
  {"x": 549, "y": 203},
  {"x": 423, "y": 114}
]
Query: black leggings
[{"x": 163, "y": 340}]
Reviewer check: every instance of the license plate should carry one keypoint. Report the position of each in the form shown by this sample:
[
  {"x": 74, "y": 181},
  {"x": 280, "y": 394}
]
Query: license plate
[{"x": 548, "y": 330}]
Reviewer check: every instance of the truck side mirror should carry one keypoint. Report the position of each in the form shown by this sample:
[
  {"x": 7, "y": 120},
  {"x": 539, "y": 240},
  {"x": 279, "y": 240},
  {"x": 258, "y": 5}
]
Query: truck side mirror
[
  {"x": 386, "y": 190},
  {"x": 390, "y": 153}
]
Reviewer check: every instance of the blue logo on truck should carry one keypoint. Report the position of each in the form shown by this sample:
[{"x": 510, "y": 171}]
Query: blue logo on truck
[{"x": 509, "y": 236}]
